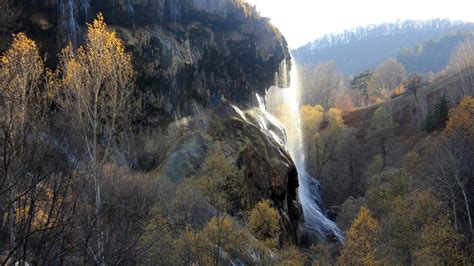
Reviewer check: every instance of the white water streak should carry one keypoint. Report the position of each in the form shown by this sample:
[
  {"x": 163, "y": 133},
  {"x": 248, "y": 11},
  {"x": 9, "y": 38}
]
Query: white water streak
[{"x": 284, "y": 104}]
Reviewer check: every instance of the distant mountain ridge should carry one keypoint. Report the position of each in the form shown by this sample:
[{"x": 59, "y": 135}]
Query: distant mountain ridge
[
  {"x": 364, "y": 48},
  {"x": 432, "y": 55}
]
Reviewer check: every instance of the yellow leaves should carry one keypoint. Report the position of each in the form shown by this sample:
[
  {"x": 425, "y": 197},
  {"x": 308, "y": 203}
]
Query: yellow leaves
[
  {"x": 361, "y": 240},
  {"x": 364, "y": 228},
  {"x": 4, "y": 60},
  {"x": 311, "y": 118},
  {"x": 291, "y": 257},
  {"x": 22, "y": 45},
  {"x": 382, "y": 123},
  {"x": 21, "y": 66},
  {"x": 439, "y": 244},
  {"x": 221, "y": 234},
  {"x": 399, "y": 90},
  {"x": 264, "y": 223},
  {"x": 222, "y": 183},
  {"x": 98, "y": 79},
  {"x": 105, "y": 45},
  {"x": 461, "y": 119},
  {"x": 335, "y": 116},
  {"x": 21, "y": 70},
  {"x": 103, "y": 59}
]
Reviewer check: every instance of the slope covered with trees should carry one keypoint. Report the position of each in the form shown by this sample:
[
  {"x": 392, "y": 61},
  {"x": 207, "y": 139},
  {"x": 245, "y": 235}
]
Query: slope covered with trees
[
  {"x": 431, "y": 55},
  {"x": 87, "y": 176},
  {"x": 397, "y": 173},
  {"x": 357, "y": 50}
]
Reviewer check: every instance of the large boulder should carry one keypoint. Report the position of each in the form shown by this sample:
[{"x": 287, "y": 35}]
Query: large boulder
[{"x": 267, "y": 168}]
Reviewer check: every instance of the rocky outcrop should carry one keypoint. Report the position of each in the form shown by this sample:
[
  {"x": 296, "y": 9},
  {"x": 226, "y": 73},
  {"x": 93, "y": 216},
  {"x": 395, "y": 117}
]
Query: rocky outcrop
[
  {"x": 191, "y": 57},
  {"x": 187, "y": 53},
  {"x": 252, "y": 143}
]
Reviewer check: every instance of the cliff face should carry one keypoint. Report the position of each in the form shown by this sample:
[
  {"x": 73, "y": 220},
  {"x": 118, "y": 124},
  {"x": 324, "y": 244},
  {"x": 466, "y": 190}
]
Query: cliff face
[
  {"x": 187, "y": 53},
  {"x": 191, "y": 56}
]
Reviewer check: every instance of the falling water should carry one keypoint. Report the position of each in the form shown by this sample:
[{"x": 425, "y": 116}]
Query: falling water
[
  {"x": 85, "y": 7},
  {"x": 284, "y": 104},
  {"x": 67, "y": 19}
]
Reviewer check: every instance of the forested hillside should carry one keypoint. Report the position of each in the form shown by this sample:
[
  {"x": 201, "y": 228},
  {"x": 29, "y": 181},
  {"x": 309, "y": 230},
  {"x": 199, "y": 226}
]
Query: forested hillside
[
  {"x": 396, "y": 171},
  {"x": 362, "y": 48},
  {"x": 432, "y": 55},
  {"x": 182, "y": 132}
]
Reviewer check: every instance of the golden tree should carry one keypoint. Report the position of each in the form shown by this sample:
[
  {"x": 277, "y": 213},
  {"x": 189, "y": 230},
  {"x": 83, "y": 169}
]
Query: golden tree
[
  {"x": 264, "y": 223},
  {"x": 440, "y": 244},
  {"x": 323, "y": 134},
  {"x": 21, "y": 70},
  {"x": 361, "y": 240},
  {"x": 222, "y": 183},
  {"x": 453, "y": 154},
  {"x": 291, "y": 256},
  {"x": 220, "y": 235},
  {"x": 98, "y": 80},
  {"x": 311, "y": 118},
  {"x": 460, "y": 119}
]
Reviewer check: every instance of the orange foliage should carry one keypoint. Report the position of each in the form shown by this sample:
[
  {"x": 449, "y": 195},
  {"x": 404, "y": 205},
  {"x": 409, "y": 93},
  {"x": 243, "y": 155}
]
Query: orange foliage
[
  {"x": 461, "y": 119},
  {"x": 361, "y": 240},
  {"x": 399, "y": 90}
]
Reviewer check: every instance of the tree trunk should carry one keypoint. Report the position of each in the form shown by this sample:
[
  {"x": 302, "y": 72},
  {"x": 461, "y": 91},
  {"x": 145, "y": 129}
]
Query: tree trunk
[
  {"x": 12, "y": 222},
  {"x": 383, "y": 152},
  {"x": 468, "y": 212},
  {"x": 455, "y": 212}
]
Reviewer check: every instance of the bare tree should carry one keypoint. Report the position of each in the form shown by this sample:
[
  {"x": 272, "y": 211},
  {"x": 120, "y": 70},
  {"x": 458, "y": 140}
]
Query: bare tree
[
  {"x": 414, "y": 84},
  {"x": 387, "y": 77},
  {"x": 20, "y": 72},
  {"x": 323, "y": 84},
  {"x": 462, "y": 62},
  {"x": 391, "y": 73},
  {"x": 453, "y": 172},
  {"x": 8, "y": 17}
]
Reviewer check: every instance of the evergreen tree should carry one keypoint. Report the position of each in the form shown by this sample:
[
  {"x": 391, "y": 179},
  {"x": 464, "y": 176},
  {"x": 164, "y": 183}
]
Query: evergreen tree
[{"x": 437, "y": 118}]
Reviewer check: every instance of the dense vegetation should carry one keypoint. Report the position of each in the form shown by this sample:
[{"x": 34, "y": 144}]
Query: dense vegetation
[
  {"x": 397, "y": 172},
  {"x": 393, "y": 151},
  {"x": 71, "y": 188},
  {"x": 432, "y": 55}
]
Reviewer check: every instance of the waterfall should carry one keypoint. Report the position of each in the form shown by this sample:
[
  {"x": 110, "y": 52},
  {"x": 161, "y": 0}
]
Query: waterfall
[
  {"x": 85, "y": 7},
  {"x": 284, "y": 104},
  {"x": 67, "y": 20}
]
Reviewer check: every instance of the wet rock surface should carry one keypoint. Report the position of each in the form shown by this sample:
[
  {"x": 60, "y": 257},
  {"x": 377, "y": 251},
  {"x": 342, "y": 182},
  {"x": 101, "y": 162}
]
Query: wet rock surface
[
  {"x": 186, "y": 53},
  {"x": 269, "y": 172}
]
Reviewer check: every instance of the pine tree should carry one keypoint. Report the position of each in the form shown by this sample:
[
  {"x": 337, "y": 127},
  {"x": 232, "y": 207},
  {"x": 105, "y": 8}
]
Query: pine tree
[{"x": 437, "y": 118}]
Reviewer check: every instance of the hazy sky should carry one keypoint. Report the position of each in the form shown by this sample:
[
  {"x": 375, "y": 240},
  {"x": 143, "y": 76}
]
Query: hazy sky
[{"x": 302, "y": 21}]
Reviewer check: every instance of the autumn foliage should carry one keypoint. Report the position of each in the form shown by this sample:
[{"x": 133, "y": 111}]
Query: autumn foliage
[{"x": 361, "y": 240}]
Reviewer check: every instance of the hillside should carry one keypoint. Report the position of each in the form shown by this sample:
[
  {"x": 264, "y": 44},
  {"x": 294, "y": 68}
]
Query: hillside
[
  {"x": 404, "y": 105},
  {"x": 360, "y": 49},
  {"x": 432, "y": 55}
]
